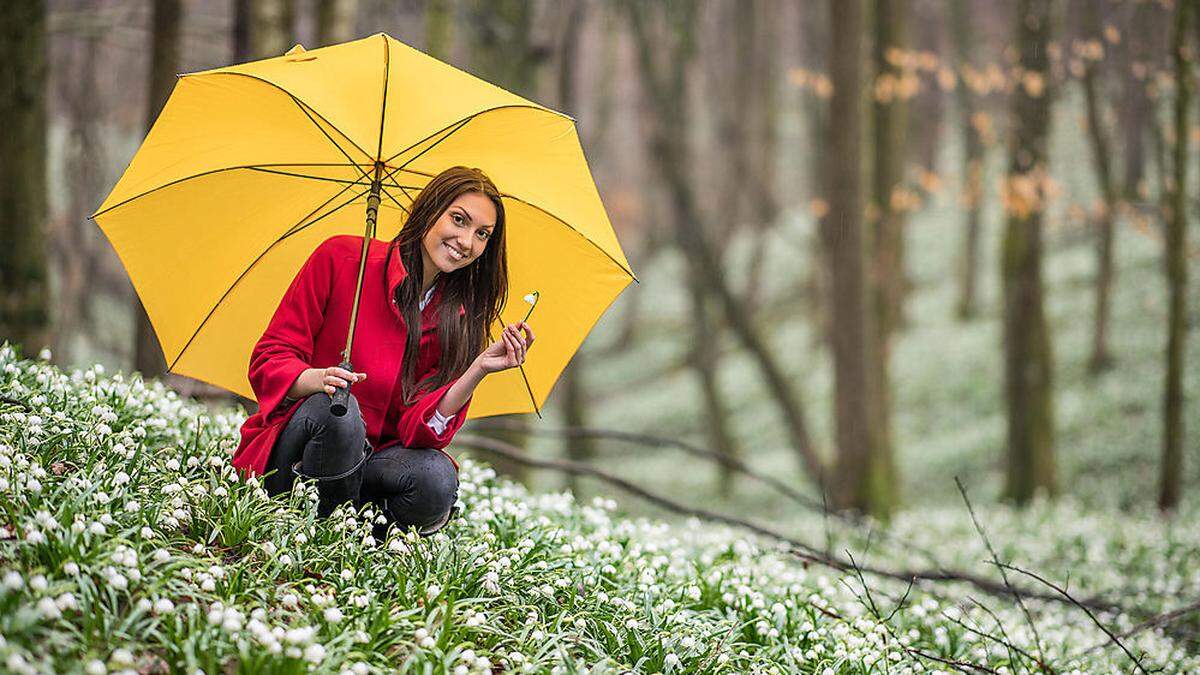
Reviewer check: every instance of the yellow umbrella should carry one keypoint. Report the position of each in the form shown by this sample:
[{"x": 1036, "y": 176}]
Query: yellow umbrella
[{"x": 249, "y": 167}]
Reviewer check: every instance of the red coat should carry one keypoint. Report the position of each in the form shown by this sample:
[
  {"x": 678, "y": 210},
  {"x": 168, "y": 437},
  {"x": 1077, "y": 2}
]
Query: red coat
[{"x": 308, "y": 330}]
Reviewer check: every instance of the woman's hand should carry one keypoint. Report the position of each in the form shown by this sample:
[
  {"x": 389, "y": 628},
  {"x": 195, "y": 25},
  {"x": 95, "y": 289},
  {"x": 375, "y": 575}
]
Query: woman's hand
[
  {"x": 325, "y": 379},
  {"x": 508, "y": 351}
]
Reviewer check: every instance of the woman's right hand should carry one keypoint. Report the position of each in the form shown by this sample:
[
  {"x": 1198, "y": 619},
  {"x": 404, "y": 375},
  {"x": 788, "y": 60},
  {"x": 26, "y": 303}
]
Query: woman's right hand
[{"x": 327, "y": 379}]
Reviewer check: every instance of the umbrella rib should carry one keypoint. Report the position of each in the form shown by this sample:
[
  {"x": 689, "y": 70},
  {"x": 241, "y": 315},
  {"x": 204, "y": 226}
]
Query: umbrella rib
[
  {"x": 291, "y": 231},
  {"x": 209, "y": 173},
  {"x": 391, "y": 197},
  {"x": 387, "y": 67},
  {"x": 472, "y": 116},
  {"x": 297, "y": 100},
  {"x": 304, "y": 109},
  {"x": 328, "y": 179},
  {"x": 452, "y": 129}
]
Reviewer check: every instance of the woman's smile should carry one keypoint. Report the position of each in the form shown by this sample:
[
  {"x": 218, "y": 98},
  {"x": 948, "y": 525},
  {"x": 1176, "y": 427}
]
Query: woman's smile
[{"x": 455, "y": 254}]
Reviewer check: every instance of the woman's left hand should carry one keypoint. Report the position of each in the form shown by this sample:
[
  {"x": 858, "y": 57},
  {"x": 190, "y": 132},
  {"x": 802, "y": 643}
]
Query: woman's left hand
[{"x": 508, "y": 351}]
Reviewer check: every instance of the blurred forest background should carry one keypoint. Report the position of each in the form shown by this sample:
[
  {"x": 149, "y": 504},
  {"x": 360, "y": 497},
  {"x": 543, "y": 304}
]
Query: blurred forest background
[{"x": 880, "y": 244}]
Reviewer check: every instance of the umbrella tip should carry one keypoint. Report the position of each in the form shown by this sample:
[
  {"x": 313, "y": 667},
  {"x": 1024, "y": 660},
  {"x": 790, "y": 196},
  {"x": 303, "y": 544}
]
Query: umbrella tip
[{"x": 296, "y": 49}]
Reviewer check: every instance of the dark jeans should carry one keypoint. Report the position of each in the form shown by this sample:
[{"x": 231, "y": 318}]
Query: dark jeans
[{"x": 411, "y": 486}]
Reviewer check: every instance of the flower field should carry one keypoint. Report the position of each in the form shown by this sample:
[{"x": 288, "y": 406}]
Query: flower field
[{"x": 130, "y": 545}]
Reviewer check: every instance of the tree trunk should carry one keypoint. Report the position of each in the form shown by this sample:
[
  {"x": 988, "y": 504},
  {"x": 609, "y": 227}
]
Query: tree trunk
[
  {"x": 1027, "y": 348},
  {"x": 578, "y": 448},
  {"x": 973, "y": 159},
  {"x": 863, "y": 478},
  {"x": 1176, "y": 267},
  {"x": 667, "y": 92},
  {"x": 1101, "y": 157},
  {"x": 24, "y": 282},
  {"x": 1135, "y": 108},
  {"x": 503, "y": 54},
  {"x": 439, "y": 17},
  {"x": 765, "y": 202},
  {"x": 885, "y": 285},
  {"x": 336, "y": 21},
  {"x": 270, "y": 28},
  {"x": 816, "y": 112},
  {"x": 166, "y": 21}
]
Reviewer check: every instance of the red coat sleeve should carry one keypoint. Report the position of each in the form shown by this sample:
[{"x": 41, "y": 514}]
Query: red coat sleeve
[
  {"x": 413, "y": 428},
  {"x": 286, "y": 347}
]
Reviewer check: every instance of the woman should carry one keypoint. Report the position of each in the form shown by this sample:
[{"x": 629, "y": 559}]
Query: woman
[{"x": 420, "y": 349}]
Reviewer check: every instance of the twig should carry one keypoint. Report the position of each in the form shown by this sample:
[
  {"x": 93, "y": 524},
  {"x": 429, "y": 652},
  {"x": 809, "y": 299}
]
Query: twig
[
  {"x": 1037, "y": 638},
  {"x": 1153, "y": 622},
  {"x": 1099, "y": 624}
]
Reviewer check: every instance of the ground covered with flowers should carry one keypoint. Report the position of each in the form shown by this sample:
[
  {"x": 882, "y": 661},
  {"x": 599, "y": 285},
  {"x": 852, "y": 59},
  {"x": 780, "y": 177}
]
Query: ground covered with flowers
[{"x": 128, "y": 544}]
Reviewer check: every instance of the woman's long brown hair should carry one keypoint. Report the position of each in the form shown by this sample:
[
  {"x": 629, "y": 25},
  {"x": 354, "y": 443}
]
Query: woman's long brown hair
[{"x": 481, "y": 287}]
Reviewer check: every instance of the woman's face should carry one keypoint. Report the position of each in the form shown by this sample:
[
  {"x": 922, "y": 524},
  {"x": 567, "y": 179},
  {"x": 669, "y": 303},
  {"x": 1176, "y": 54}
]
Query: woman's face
[{"x": 461, "y": 233}]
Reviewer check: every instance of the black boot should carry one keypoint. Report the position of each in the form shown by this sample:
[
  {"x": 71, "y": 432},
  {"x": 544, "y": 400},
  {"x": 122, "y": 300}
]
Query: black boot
[{"x": 338, "y": 488}]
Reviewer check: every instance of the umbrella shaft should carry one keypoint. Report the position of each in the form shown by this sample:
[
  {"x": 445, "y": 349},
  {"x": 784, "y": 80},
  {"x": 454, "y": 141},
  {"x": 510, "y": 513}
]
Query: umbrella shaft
[{"x": 372, "y": 213}]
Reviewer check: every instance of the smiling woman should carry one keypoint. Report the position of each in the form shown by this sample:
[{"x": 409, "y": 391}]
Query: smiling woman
[{"x": 427, "y": 299}]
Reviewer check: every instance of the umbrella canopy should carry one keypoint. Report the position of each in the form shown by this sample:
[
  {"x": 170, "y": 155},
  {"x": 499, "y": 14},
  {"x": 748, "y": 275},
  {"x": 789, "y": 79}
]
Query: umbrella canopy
[{"x": 249, "y": 167}]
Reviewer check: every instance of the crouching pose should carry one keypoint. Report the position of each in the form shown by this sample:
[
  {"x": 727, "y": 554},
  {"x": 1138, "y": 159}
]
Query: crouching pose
[{"x": 420, "y": 349}]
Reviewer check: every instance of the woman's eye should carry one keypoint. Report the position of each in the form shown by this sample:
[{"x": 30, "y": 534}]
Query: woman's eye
[
  {"x": 484, "y": 234},
  {"x": 457, "y": 218}
]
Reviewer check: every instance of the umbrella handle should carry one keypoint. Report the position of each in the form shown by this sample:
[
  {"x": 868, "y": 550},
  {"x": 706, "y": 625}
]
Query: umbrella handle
[{"x": 341, "y": 395}]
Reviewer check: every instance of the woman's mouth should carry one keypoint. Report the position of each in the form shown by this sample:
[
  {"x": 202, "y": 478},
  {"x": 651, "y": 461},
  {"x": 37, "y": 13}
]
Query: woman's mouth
[{"x": 455, "y": 254}]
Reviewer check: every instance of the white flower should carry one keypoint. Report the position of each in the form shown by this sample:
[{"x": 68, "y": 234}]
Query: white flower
[
  {"x": 44, "y": 354},
  {"x": 314, "y": 653},
  {"x": 290, "y": 600},
  {"x": 164, "y": 606},
  {"x": 96, "y": 528},
  {"x": 38, "y": 583},
  {"x": 66, "y": 601},
  {"x": 13, "y": 580},
  {"x": 95, "y": 667},
  {"x": 71, "y": 568},
  {"x": 172, "y": 464},
  {"x": 432, "y": 591},
  {"x": 347, "y": 575},
  {"x": 48, "y": 608},
  {"x": 122, "y": 656},
  {"x": 333, "y": 615},
  {"x": 672, "y": 660}
]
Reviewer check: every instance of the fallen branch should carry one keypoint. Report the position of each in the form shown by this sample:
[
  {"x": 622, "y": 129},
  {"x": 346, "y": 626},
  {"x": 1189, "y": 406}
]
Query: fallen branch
[
  {"x": 1164, "y": 619},
  {"x": 851, "y": 518},
  {"x": 800, "y": 549}
]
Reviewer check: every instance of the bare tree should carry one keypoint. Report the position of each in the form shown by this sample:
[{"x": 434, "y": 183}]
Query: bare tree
[
  {"x": 1175, "y": 251},
  {"x": 1027, "y": 349},
  {"x": 863, "y": 479},
  {"x": 335, "y": 21},
  {"x": 24, "y": 281},
  {"x": 1093, "y": 84},
  {"x": 270, "y": 28},
  {"x": 166, "y": 20},
  {"x": 666, "y": 87},
  {"x": 973, "y": 157}
]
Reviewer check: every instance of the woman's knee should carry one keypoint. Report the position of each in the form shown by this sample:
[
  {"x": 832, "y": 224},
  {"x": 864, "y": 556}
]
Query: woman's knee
[{"x": 416, "y": 484}]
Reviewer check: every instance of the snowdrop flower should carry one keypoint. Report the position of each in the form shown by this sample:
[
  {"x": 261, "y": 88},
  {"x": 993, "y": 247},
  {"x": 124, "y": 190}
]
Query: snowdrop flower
[
  {"x": 97, "y": 528},
  {"x": 172, "y": 465},
  {"x": 48, "y": 608},
  {"x": 314, "y": 653},
  {"x": 71, "y": 568},
  {"x": 290, "y": 601},
  {"x": 164, "y": 606},
  {"x": 66, "y": 601},
  {"x": 95, "y": 666},
  {"x": 347, "y": 575},
  {"x": 122, "y": 656},
  {"x": 397, "y": 546},
  {"x": 13, "y": 580},
  {"x": 38, "y": 583},
  {"x": 35, "y": 537},
  {"x": 333, "y": 615},
  {"x": 432, "y": 591}
]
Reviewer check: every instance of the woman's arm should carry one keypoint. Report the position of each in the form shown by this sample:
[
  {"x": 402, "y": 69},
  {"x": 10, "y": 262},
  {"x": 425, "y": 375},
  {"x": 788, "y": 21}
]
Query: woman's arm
[{"x": 507, "y": 352}]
